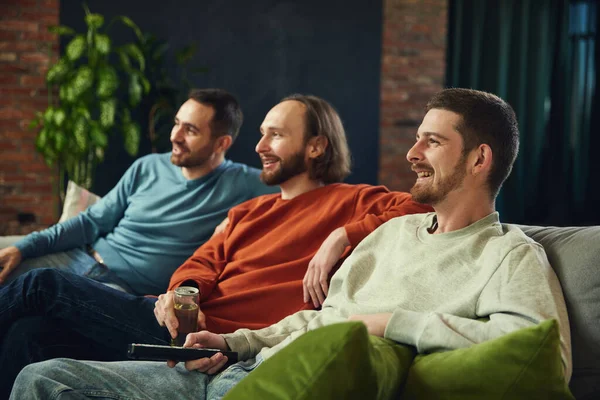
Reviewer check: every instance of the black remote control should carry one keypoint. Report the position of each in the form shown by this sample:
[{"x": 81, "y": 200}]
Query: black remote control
[{"x": 151, "y": 352}]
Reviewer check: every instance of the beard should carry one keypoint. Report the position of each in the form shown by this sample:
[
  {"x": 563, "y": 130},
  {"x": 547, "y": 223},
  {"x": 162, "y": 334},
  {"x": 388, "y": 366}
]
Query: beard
[
  {"x": 188, "y": 159},
  {"x": 432, "y": 193},
  {"x": 295, "y": 165}
]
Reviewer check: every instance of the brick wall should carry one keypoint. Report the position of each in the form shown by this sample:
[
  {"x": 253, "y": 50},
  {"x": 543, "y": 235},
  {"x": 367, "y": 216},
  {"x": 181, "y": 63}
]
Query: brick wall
[
  {"x": 27, "y": 200},
  {"x": 412, "y": 69}
]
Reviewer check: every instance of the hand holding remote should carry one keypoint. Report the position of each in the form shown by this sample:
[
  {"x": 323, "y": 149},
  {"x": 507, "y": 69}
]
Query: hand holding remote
[{"x": 209, "y": 340}]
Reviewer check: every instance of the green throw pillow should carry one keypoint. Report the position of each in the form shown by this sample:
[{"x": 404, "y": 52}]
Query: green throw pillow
[
  {"x": 525, "y": 364},
  {"x": 338, "y": 361}
]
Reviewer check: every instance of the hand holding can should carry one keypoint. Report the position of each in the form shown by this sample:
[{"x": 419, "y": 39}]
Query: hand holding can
[{"x": 186, "y": 303}]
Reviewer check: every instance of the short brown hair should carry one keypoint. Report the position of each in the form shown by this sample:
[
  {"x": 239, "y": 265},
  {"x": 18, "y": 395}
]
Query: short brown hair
[
  {"x": 323, "y": 120},
  {"x": 485, "y": 119},
  {"x": 228, "y": 116}
]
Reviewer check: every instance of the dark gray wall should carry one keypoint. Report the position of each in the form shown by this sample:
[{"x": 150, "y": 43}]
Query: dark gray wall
[{"x": 263, "y": 50}]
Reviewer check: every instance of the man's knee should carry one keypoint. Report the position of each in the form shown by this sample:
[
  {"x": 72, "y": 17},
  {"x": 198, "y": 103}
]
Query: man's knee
[
  {"x": 37, "y": 381},
  {"x": 44, "y": 277},
  {"x": 32, "y": 339},
  {"x": 40, "y": 274}
]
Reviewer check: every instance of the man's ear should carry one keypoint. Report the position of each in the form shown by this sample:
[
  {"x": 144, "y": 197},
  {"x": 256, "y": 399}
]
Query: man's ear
[
  {"x": 316, "y": 146},
  {"x": 481, "y": 159},
  {"x": 222, "y": 144}
]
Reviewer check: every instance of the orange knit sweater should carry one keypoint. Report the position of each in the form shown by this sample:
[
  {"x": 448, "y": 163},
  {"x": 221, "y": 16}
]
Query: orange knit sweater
[{"x": 250, "y": 276}]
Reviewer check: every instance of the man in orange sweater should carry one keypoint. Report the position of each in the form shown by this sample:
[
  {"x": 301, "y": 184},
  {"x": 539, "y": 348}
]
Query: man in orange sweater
[{"x": 271, "y": 260}]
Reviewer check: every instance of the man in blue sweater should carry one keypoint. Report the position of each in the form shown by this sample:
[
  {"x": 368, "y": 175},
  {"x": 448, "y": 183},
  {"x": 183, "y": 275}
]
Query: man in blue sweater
[{"x": 164, "y": 207}]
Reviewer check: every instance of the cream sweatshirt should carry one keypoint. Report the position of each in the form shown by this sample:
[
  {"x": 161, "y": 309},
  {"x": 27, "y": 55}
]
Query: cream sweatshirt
[{"x": 437, "y": 287}]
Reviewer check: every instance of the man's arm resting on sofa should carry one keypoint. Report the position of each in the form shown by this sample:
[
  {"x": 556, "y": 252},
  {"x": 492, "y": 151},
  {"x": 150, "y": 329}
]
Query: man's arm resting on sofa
[{"x": 522, "y": 292}]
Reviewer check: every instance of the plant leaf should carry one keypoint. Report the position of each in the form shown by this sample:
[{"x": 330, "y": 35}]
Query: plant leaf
[
  {"x": 59, "y": 117},
  {"x": 185, "y": 54},
  {"x": 34, "y": 123},
  {"x": 60, "y": 140},
  {"x": 79, "y": 131},
  {"x": 108, "y": 81},
  {"x": 58, "y": 71},
  {"x": 135, "y": 53},
  {"x": 83, "y": 80},
  {"x": 61, "y": 30},
  {"x": 107, "y": 113},
  {"x": 75, "y": 48},
  {"x": 83, "y": 112},
  {"x": 125, "y": 63},
  {"x": 49, "y": 116},
  {"x": 127, "y": 21},
  {"x": 131, "y": 137},
  {"x": 159, "y": 51},
  {"x": 41, "y": 140},
  {"x": 94, "y": 21},
  {"x": 145, "y": 84},
  {"x": 103, "y": 43},
  {"x": 98, "y": 136},
  {"x": 135, "y": 90}
]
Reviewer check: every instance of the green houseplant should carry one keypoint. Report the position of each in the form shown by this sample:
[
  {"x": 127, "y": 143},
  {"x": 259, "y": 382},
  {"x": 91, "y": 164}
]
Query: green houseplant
[{"x": 92, "y": 90}]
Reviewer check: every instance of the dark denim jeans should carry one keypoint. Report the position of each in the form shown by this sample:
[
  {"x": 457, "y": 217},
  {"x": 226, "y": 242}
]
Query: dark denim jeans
[{"x": 48, "y": 313}]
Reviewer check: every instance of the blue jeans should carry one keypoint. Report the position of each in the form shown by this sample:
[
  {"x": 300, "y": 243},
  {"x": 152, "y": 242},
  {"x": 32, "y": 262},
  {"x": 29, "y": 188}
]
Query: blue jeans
[
  {"x": 76, "y": 260},
  {"x": 69, "y": 379},
  {"x": 80, "y": 318}
]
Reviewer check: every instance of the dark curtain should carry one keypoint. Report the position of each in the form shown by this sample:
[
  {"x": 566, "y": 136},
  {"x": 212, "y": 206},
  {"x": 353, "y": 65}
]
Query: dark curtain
[{"x": 523, "y": 51}]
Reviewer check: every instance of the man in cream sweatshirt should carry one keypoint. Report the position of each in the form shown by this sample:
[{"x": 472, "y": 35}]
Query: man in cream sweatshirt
[{"x": 425, "y": 280}]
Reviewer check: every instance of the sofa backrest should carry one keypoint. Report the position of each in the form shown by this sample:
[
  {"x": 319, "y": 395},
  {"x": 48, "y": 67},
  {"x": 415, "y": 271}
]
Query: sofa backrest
[{"x": 574, "y": 253}]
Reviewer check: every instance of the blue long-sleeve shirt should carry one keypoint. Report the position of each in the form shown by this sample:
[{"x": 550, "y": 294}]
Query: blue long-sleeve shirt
[{"x": 152, "y": 220}]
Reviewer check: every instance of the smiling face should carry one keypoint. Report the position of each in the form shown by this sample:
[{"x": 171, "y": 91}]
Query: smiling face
[
  {"x": 437, "y": 157},
  {"x": 282, "y": 147},
  {"x": 193, "y": 144}
]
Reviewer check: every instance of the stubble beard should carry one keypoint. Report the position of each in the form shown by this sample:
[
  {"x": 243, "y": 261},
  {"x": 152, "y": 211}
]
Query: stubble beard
[
  {"x": 191, "y": 160},
  {"x": 433, "y": 194}
]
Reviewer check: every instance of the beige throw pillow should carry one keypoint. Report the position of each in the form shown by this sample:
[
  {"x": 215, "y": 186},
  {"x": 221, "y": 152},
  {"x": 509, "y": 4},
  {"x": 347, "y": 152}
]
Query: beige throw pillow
[{"x": 77, "y": 199}]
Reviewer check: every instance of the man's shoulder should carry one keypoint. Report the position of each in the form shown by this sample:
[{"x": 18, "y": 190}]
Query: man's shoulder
[
  {"x": 265, "y": 200},
  {"x": 232, "y": 169},
  {"x": 238, "y": 166},
  {"x": 355, "y": 188},
  {"x": 153, "y": 159},
  {"x": 515, "y": 233},
  {"x": 514, "y": 236}
]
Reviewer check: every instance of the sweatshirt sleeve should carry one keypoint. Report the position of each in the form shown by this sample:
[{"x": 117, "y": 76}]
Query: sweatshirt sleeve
[
  {"x": 248, "y": 343},
  {"x": 375, "y": 205},
  {"x": 522, "y": 292},
  {"x": 98, "y": 220}
]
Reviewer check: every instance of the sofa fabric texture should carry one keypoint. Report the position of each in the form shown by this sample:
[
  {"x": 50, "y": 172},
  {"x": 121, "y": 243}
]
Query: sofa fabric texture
[{"x": 574, "y": 254}]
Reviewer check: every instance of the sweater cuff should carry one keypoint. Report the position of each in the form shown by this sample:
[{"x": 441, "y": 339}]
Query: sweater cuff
[
  {"x": 406, "y": 327},
  {"x": 26, "y": 247},
  {"x": 355, "y": 233},
  {"x": 237, "y": 342}
]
